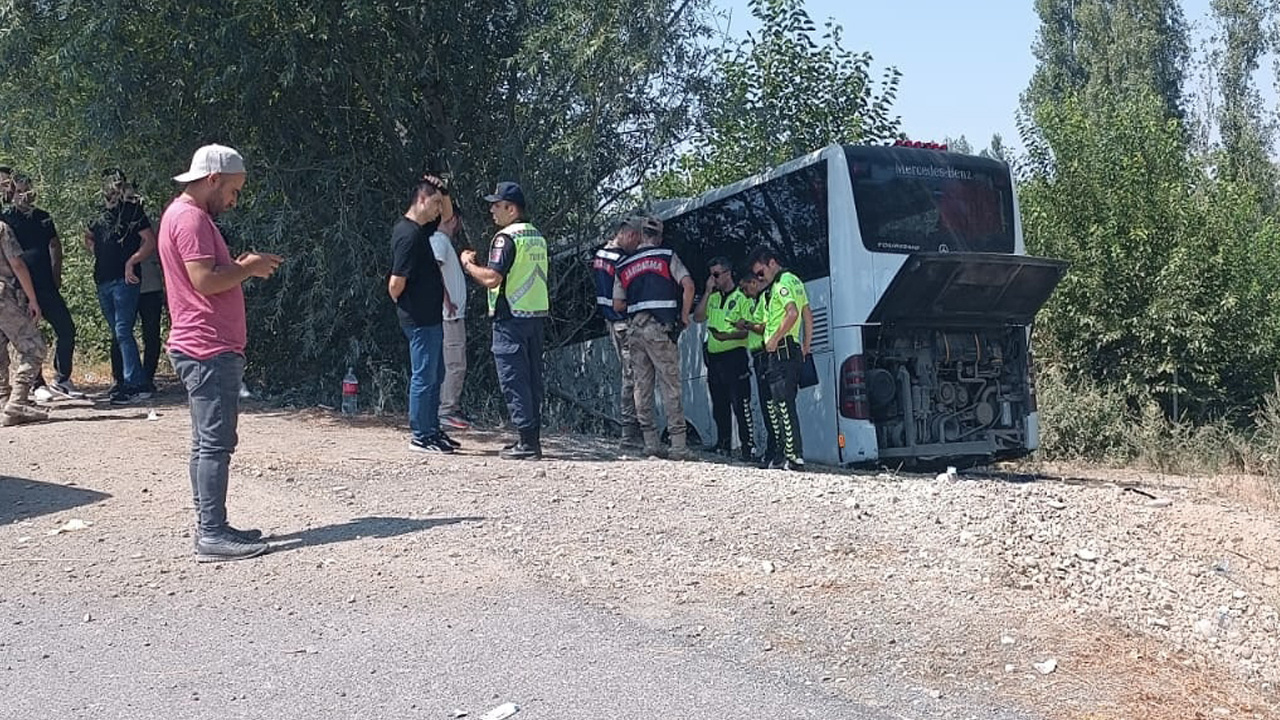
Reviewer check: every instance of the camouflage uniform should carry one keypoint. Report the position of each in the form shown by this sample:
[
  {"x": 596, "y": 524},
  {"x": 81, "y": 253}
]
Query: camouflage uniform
[
  {"x": 655, "y": 360},
  {"x": 19, "y": 330}
]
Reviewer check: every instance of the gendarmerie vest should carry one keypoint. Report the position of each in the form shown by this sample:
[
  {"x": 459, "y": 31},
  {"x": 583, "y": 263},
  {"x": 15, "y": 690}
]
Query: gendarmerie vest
[
  {"x": 646, "y": 277},
  {"x": 603, "y": 269}
]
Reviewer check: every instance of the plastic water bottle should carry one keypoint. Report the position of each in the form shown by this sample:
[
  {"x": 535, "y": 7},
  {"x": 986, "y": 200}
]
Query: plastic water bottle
[{"x": 350, "y": 393}]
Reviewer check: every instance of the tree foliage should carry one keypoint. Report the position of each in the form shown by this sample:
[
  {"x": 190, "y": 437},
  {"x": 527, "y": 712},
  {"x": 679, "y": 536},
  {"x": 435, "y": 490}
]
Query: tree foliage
[
  {"x": 784, "y": 91},
  {"x": 336, "y": 105},
  {"x": 1175, "y": 267}
]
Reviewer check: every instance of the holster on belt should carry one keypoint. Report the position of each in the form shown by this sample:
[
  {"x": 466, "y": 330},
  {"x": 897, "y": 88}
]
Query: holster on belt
[{"x": 788, "y": 349}]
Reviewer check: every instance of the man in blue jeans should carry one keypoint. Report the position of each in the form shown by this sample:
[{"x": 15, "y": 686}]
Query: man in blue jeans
[
  {"x": 207, "y": 337},
  {"x": 120, "y": 239},
  {"x": 417, "y": 287}
]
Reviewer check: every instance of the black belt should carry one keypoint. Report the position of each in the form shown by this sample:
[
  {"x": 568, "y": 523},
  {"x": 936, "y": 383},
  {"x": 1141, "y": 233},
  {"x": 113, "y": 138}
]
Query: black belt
[{"x": 788, "y": 349}]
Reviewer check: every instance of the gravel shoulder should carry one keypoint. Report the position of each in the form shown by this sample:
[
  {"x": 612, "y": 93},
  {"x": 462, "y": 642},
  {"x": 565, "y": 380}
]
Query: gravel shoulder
[{"x": 599, "y": 585}]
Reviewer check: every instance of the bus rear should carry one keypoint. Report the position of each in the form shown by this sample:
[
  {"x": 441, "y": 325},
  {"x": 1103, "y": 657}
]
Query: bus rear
[{"x": 932, "y": 299}]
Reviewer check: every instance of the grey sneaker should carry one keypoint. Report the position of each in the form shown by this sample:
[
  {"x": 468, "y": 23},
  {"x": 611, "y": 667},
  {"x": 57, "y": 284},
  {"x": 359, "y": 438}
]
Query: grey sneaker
[
  {"x": 224, "y": 547},
  {"x": 250, "y": 535},
  {"x": 65, "y": 388}
]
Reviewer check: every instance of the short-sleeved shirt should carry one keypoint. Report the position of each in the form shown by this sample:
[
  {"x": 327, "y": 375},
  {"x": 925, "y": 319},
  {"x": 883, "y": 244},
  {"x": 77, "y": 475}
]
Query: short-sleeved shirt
[
  {"x": 755, "y": 316},
  {"x": 35, "y": 232},
  {"x": 116, "y": 237},
  {"x": 678, "y": 273},
  {"x": 786, "y": 289},
  {"x": 724, "y": 310},
  {"x": 451, "y": 270},
  {"x": 422, "y": 302},
  {"x": 203, "y": 326}
]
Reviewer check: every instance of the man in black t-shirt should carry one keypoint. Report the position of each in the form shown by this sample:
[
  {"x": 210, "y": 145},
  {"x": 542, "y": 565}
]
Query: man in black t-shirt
[
  {"x": 120, "y": 239},
  {"x": 42, "y": 252},
  {"x": 417, "y": 288}
]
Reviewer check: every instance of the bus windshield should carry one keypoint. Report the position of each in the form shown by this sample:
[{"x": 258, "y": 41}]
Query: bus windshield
[{"x": 911, "y": 201}]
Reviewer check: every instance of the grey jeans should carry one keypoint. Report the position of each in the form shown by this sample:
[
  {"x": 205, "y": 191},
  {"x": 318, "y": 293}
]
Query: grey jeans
[{"x": 213, "y": 391}]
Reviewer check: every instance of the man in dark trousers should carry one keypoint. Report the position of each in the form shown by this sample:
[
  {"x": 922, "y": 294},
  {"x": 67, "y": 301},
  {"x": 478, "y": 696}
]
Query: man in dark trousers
[
  {"x": 752, "y": 321},
  {"x": 786, "y": 312},
  {"x": 42, "y": 253},
  {"x": 208, "y": 335},
  {"x": 604, "y": 270},
  {"x": 417, "y": 288},
  {"x": 728, "y": 366},
  {"x": 516, "y": 277}
]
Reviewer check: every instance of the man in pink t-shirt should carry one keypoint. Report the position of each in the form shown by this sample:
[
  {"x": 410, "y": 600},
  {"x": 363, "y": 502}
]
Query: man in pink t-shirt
[{"x": 208, "y": 337}]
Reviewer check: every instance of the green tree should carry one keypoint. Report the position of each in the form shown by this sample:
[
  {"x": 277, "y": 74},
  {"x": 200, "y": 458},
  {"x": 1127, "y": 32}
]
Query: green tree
[
  {"x": 337, "y": 104},
  {"x": 1246, "y": 138},
  {"x": 1106, "y": 46},
  {"x": 782, "y": 92}
]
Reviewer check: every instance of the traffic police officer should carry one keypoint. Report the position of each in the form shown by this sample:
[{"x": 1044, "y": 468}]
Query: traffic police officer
[
  {"x": 728, "y": 368},
  {"x": 516, "y": 276},
  {"x": 753, "y": 322},
  {"x": 604, "y": 268},
  {"x": 786, "y": 310},
  {"x": 19, "y": 312},
  {"x": 654, "y": 288}
]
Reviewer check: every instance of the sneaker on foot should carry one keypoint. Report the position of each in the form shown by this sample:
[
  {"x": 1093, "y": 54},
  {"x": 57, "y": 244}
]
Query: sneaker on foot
[
  {"x": 65, "y": 388},
  {"x": 123, "y": 397},
  {"x": 452, "y": 443},
  {"x": 224, "y": 546},
  {"x": 455, "y": 422},
  {"x": 42, "y": 394},
  {"x": 250, "y": 535},
  {"x": 521, "y": 451},
  {"x": 244, "y": 392},
  {"x": 434, "y": 444}
]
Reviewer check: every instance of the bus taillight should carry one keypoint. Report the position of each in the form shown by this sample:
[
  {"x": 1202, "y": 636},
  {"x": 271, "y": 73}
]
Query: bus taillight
[{"x": 853, "y": 389}]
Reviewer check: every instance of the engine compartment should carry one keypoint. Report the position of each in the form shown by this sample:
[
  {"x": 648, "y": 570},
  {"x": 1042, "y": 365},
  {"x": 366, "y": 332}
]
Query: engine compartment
[{"x": 954, "y": 393}]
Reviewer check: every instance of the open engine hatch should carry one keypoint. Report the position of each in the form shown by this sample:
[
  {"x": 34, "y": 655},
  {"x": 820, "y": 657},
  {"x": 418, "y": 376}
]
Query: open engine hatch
[{"x": 951, "y": 289}]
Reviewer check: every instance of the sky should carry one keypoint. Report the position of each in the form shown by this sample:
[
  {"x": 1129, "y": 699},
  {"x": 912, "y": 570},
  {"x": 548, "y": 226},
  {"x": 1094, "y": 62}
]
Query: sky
[{"x": 964, "y": 63}]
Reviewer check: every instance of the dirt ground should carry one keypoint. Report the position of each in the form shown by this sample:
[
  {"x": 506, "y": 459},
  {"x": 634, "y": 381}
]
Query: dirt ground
[{"x": 1055, "y": 592}]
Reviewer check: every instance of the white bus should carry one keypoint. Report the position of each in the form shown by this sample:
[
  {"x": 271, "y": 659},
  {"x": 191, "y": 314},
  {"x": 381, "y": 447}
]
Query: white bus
[{"x": 922, "y": 296}]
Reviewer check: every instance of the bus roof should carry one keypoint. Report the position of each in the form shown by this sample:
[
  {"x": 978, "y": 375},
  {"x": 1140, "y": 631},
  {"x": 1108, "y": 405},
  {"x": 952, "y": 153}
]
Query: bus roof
[{"x": 667, "y": 209}]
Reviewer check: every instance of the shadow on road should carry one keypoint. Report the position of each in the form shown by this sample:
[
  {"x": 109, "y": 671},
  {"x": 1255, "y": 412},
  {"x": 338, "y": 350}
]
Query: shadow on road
[
  {"x": 22, "y": 498},
  {"x": 365, "y": 527}
]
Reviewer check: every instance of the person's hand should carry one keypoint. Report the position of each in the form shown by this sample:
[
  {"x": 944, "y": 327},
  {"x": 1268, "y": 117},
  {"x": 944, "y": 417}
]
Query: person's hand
[
  {"x": 684, "y": 319},
  {"x": 259, "y": 265},
  {"x": 804, "y": 351},
  {"x": 131, "y": 273},
  {"x": 33, "y": 311},
  {"x": 468, "y": 257},
  {"x": 711, "y": 284},
  {"x": 771, "y": 345},
  {"x": 450, "y": 308},
  {"x": 449, "y": 227}
]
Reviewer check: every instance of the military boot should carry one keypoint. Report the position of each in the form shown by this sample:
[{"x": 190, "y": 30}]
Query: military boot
[
  {"x": 19, "y": 409},
  {"x": 652, "y": 445},
  {"x": 679, "y": 449},
  {"x": 631, "y": 437}
]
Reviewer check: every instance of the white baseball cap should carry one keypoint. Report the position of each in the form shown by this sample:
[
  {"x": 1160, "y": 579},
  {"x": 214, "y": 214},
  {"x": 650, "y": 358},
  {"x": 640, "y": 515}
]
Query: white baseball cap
[{"x": 212, "y": 159}]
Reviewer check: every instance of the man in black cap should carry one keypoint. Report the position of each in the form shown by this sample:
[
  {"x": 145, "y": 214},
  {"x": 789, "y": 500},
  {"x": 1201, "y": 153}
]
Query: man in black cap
[{"x": 516, "y": 277}]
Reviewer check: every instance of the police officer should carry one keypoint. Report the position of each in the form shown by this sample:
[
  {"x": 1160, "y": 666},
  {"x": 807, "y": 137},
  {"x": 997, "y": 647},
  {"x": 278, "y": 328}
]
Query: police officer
[
  {"x": 655, "y": 290},
  {"x": 753, "y": 323},
  {"x": 786, "y": 311},
  {"x": 604, "y": 268},
  {"x": 516, "y": 276},
  {"x": 728, "y": 366},
  {"x": 19, "y": 312}
]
